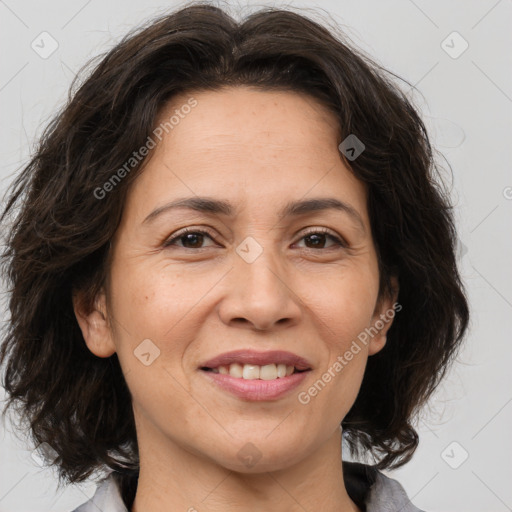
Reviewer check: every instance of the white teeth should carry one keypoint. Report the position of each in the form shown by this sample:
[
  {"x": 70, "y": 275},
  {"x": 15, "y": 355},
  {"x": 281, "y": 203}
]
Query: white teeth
[
  {"x": 281, "y": 370},
  {"x": 253, "y": 371},
  {"x": 236, "y": 370},
  {"x": 268, "y": 372}
]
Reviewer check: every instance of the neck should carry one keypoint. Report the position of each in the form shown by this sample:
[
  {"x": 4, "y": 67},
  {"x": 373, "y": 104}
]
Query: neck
[{"x": 175, "y": 479}]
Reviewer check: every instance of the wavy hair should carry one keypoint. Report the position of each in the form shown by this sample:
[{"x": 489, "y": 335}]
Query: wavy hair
[{"x": 58, "y": 240}]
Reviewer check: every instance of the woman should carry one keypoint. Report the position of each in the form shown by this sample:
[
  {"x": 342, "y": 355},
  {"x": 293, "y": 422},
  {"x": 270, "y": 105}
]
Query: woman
[{"x": 230, "y": 254}]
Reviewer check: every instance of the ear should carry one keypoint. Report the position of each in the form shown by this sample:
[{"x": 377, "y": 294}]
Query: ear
[
  {"x": 382, "y": 319},
  {"x": 94, "y": 324}
]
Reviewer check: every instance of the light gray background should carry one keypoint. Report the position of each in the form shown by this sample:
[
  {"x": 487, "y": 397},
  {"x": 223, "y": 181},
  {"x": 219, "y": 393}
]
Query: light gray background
[{"x": 467, "y": 105}]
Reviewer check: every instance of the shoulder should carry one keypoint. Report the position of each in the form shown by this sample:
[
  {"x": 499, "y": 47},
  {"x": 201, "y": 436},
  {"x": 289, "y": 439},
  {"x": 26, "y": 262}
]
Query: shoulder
[
  {"x": 373, "y": 491},
  {"x": 386, "y": 494},
  {"x": 107, "y": 498}
]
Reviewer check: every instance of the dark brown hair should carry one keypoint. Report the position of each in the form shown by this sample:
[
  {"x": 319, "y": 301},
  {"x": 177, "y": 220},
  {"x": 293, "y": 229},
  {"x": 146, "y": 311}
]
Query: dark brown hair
[{"x": 58, "y": 241}]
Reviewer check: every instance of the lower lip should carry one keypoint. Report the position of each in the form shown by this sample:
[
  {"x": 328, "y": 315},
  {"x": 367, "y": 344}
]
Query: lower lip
[{"x": 257, "y": 389}]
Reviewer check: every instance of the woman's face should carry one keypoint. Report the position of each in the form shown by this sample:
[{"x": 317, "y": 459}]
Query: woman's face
[{"x": 250, "y": 279}]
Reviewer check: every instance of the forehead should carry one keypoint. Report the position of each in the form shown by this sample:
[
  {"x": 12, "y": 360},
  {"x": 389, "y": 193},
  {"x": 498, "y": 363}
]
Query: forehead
[
  {"x": 246, "y": 144},
  {"x": 263, "y": 114},
  {"x": 245, "y": 126}
]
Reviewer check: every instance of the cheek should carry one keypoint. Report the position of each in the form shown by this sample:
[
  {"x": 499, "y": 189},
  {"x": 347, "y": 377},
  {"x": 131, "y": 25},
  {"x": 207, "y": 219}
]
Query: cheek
[
  {"x": 154, "y": 308},
  {"x": 151, "y": 299},
  {"x": 343, "y": 311},
  {"x": 161, "y": 303},
  {"x": 343, "y": 307}
]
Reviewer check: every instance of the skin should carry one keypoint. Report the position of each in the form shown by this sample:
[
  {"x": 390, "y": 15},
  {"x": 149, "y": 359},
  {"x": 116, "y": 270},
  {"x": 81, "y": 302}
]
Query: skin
[{"x": 198, "y": 298}]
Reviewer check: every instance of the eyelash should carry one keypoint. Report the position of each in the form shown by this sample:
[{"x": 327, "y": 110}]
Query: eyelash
[{"x": 323, "y": 231}]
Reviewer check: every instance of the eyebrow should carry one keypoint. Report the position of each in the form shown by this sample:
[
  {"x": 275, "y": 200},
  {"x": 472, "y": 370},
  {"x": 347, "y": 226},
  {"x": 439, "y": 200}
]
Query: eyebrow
[{"x": 290, "y": 209}]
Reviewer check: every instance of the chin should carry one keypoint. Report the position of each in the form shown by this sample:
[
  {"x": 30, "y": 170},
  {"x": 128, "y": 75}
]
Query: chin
[{"x": 258, "y": 456}]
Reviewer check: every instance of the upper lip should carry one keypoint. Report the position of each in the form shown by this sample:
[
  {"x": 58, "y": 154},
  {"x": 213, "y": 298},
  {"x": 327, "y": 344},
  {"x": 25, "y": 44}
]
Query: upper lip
[{"x": 258, "y": 358}]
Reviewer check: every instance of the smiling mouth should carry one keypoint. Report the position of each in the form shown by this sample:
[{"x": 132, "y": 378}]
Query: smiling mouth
[{"x": 255, "y": 372}]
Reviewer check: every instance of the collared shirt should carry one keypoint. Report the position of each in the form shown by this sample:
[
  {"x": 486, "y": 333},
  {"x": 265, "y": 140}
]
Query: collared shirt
[{"x": 370, "y": 489}]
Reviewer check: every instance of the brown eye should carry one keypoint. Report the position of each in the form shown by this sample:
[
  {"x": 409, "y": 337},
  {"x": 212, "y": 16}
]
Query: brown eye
[
  {"x": 194, "y": 239},
  {"x": 318, "y": 239},
  {"x": 190, "y": 239}
]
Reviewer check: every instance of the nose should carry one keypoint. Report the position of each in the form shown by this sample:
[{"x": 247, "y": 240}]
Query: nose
[{"x": 259, "y": 295}]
